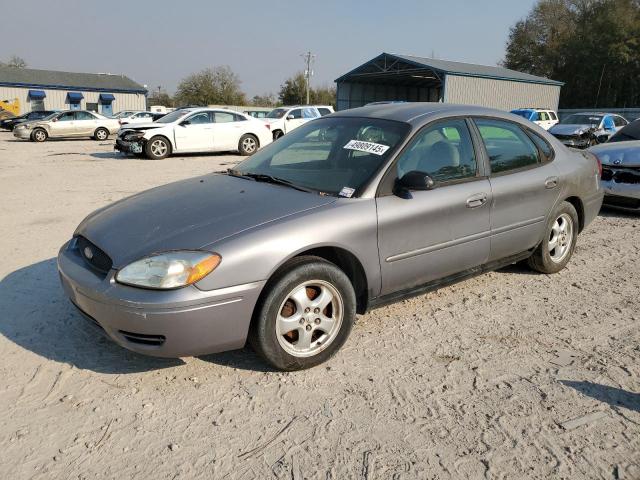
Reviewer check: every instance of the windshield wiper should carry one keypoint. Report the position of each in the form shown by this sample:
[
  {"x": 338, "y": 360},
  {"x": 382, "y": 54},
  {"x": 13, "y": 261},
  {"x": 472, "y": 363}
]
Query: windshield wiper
[{"x": 263, "y": 177}]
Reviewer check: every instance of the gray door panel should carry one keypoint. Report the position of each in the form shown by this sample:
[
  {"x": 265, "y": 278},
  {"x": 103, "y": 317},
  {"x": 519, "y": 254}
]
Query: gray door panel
[
  {"x": 521, "y": 203},
  {"x": 434, "y": 234}
]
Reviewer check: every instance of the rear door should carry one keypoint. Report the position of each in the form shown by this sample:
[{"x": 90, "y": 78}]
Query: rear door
[
  {"x": 440, "y": 232},
  {"x": 227, "y": 130},
  {"x": 85, "y": 123},
  {"x": 524, "y": 184},
  {"x": 195, "y": 133}
]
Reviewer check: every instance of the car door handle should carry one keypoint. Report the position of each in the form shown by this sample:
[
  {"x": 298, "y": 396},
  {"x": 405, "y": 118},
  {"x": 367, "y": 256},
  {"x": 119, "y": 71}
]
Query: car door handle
[
  {"x": 477, "y": 200},
  {"x": 551, "y": 182}
]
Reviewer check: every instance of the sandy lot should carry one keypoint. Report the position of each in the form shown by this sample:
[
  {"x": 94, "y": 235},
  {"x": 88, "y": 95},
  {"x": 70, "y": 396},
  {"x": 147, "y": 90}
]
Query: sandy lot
[{"x": 508, "y": 375}]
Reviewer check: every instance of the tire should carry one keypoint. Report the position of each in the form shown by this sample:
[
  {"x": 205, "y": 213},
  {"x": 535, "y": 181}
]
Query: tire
[
  {"x": 248, "y": 145},
  {"x": 157, "y": 148},
  {"x": 277, "y": 134},
  {"x": 289, "y": 302},
  {"x": 39, "y": 135},
  {"x": 101, "y": 134},
  {"x": 559, "y": 242}
]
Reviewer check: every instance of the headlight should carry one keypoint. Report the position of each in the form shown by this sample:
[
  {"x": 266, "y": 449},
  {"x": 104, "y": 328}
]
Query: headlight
[{"x": 169, "y": 270}]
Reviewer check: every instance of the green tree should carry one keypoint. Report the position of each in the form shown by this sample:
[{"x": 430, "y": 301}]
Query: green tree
[
  {"x": 15, "y": 62},
  {"x": 591, "y": 45},
  {"x": 265, "y": 100},
  {"x": 160, "y": 98},
  {"x": 212, "y": 86},
  {"x": 294, "y": 92}
]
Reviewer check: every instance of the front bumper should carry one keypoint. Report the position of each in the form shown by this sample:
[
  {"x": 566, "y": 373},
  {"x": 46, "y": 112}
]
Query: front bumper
[
  {"x": 128, "y": 147},
  {"x": 577, "y": 142},
  {"x": 164, "y": 323},
  {"x": 22, "y": 133}
]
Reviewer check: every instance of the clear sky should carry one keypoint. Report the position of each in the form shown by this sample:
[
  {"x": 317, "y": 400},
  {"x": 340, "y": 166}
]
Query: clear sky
[{"x": 160, "y": 42}]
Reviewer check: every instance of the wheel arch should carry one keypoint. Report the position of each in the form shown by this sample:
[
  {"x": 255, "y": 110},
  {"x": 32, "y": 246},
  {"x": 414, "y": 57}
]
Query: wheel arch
[
  {"x": 579, "y": 206},
  {"x": 345, "y": 260},
  {"x": 166, "y": 137}
]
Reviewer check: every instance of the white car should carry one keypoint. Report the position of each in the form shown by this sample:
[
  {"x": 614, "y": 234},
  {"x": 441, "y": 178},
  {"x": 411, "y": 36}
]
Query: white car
[
  {"x": 191, "y": 130},
  {"x": 282, "y": 120},
  {"x": 140, "y": 117},
  {"x": 540, "y": 116}
]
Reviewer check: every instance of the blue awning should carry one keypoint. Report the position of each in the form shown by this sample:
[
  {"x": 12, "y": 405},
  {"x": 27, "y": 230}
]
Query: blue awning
[
  {"x": 75, "y": 96},
  {"x": 107, "y": 97},
  {"x": 37, "y": 94}
]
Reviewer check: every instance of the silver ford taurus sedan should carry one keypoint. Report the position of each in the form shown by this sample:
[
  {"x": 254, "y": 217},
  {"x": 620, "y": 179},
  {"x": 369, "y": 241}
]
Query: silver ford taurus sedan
[{"x": 348, "y": 212}]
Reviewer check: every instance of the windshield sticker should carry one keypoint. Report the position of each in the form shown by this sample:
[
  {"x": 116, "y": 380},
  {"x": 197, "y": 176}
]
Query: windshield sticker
[
  {"x": 347, "y": 191},
  {"x": 369, "y": 147}
]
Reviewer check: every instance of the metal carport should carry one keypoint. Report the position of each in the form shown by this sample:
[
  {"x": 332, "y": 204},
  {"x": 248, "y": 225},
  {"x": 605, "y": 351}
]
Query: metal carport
[{"x": 417, "y": 79}]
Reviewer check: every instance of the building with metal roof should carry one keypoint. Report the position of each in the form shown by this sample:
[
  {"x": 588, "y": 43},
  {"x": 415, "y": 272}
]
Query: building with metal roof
[
  {"x": 393, "y": 77},
  {"x": 53, "y": 90}
]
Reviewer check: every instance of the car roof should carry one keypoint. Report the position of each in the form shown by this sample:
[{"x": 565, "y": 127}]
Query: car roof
[{"x": 420, "y": 112}]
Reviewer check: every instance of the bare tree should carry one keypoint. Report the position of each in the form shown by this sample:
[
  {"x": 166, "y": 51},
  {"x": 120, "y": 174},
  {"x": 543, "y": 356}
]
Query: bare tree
[{"x": 16, "y": 62}]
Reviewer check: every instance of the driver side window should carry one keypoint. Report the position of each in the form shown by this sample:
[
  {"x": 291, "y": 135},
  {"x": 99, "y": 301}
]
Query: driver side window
[
  {"x": 297, "y": 113},
  {"x": 444, "y": 151},
  {"x": 199, "y": 118},
  {"x": 66, "y": 117}
]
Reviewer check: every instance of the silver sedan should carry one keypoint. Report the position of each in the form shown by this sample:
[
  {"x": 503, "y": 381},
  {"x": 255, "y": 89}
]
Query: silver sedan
[
  {"x": 72, "y": 123},
  {"x": 346, "y": 213}
]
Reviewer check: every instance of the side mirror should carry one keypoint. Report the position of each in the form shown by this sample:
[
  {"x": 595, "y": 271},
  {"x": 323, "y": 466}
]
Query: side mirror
[
  {"x": 54, "y": 119},
  {"x": 289, "y": 117},
  {"x": 413, "y": 180},
  {"x": 185, "y": 123}
]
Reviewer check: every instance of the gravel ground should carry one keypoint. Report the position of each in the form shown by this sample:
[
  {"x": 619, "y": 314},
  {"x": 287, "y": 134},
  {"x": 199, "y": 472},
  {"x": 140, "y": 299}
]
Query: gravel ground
[{"x": 507, "y": 375}]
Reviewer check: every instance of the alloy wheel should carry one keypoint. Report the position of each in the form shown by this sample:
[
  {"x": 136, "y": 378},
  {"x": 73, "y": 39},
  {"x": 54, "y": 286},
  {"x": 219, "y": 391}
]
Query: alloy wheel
[
  {"x": 560, "y": 238},
  {"x": 309, "y": 318},
  {"x": 158, "y": 148},
  {"x": 249, "y": 145}
]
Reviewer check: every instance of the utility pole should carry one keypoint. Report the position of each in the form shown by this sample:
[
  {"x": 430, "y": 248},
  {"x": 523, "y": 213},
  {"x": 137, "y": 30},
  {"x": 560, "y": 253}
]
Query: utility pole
[
  {"x": 159, "y": 88},
  {"x": 308, "y": 58}
]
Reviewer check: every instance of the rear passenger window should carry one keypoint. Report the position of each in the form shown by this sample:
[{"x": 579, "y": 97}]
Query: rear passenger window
[
  {"x": 508, "y": 147},
  {"x": 444, "y": 151},
  {"x": 553, "y": 116},
  {"x": 544, "y": 117},
  {"x": 543, "y": 146}
]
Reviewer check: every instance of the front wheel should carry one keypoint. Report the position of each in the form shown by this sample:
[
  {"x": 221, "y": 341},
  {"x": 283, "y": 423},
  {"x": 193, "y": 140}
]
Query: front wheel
[
  {"x": 305, "y": 316},
  {"x": 157, "y": 148},
  {"x": 559, "y": 242},
  {"x": 248, "y": 145}
]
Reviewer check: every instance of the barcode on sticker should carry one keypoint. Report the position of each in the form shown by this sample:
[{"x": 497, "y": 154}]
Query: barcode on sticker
[{"x": 369, "y": 147}]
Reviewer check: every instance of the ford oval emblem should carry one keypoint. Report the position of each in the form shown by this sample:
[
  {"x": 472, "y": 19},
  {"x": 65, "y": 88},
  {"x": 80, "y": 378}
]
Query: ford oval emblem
[
  {"x": 617, "y": 161},
  {"x": 88, "y": 253}
]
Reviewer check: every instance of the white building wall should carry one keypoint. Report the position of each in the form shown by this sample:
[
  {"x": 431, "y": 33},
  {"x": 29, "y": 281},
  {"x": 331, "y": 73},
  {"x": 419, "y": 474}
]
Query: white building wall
[
  {"x": 57, "y": 99},
  {"x": 500, "y": 94}
]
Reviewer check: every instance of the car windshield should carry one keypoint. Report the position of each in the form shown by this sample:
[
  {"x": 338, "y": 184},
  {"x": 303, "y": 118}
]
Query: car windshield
[
  {"x": 335, "y": 156},
  {"x": 523, "y": 113},
  {"x": 277, "y": 113},
  {"x": 582, "y": 119},
  {"x": 173, "y": 116}
]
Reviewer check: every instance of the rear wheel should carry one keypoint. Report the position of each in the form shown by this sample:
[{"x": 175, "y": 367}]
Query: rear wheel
[
  {"x": 557, "y": 247},
  {"x": 101, "y": 134},
  {"x": 305, "y": 316},
  {"x": 248, "y": 145},
  {"x": 39, "y": 135},
  {"x": 157, "y": 148}
]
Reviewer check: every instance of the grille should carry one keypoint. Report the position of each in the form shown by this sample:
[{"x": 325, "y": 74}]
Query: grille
[
  {"x": 143, "y": 338},
  {"x": 94, "y": 257}
]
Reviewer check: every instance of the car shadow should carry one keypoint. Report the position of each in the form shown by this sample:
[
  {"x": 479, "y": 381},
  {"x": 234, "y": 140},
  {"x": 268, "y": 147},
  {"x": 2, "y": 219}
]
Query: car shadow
[
  {"x": 38, "y": 317},
  {"x": 612, "y": 212},
  {"x": 616, "y": 397}
]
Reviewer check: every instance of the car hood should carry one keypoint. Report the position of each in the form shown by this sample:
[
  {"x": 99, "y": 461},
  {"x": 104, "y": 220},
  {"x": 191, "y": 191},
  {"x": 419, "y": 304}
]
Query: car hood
[
  {"x": 568, "y": 129},
  {"x": 190, "y": 214},
  {"x": 618, "y": 154},
  {"x": 143, "y": 126}
]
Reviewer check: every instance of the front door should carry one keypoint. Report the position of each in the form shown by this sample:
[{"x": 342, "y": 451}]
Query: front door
[
  {"x": 195, "y": 133},
  {"x": 435, "y": 233},
  {"x": 64, "y": 125},
  {"x": 524, "y": 182},
  {"x": 294, "y": 119}
]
